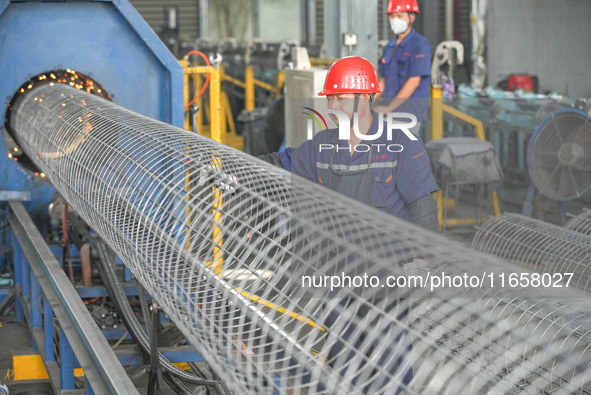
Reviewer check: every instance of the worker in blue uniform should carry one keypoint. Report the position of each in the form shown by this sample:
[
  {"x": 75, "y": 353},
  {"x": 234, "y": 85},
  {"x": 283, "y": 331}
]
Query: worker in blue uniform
[
  {"x": 405, "y": 67},
  {"x": 393, "y": 176},
  {"x": 390, "y": 173}
]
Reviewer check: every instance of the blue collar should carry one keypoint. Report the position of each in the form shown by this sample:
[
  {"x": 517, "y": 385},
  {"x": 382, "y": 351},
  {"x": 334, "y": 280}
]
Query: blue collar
[{"x": 407, "y": 38}]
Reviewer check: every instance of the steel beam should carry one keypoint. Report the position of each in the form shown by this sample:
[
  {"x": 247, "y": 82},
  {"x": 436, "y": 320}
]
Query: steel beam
[
  {"x": 15, "y": 195},
  {"x": 99, "y": 362}
]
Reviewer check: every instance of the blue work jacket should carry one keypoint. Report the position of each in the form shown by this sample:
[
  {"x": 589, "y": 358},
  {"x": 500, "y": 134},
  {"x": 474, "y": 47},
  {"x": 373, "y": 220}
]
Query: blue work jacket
[
  {"x": 400, "y": 168},
  {"x": 411, "y": 58}
]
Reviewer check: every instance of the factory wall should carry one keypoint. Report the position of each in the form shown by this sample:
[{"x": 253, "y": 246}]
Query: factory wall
[
  {"x": 546, "y": 38},
  {"x": 356, "y": 17},
  {"x": 154, "y": 12},
  {"x": 230, "y": 18},
  {"x": 280, "y": 20}
]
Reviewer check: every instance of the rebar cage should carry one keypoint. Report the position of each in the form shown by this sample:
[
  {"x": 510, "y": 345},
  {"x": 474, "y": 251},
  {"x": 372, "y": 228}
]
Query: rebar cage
[
  {"x": 539, "y": 246},
  {"x": 581, "y": 223},
  {"x": 287, "y": 287}
]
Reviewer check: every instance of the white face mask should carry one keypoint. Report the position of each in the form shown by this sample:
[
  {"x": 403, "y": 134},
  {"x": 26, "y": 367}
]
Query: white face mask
[{"x": 398, "y": 25}]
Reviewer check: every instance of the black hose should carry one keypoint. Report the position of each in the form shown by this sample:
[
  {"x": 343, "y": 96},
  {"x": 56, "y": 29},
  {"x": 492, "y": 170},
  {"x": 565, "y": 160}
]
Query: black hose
[
  {"x": 221, "y": 389},
  {"x": 7, "y": 303},
  {"x": 121, "y": 303},
  {"x": 176, "y": 384},
  {"x": 133, "y": 326},
  {"x": 108, "y": 275}
]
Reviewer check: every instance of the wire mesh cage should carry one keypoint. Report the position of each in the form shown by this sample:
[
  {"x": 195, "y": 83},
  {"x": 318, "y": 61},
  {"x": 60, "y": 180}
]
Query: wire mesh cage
[
  {"x": 286, "y": 287},
  {"x": 581, "y": 223},
  {"x": 538, "y": 246}
]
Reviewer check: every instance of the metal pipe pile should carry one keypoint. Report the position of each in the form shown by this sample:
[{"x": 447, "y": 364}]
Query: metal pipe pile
[{"x": 287, "y": 287}]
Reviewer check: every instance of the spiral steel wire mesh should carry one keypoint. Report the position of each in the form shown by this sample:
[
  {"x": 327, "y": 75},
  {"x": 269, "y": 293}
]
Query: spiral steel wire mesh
[
  {"x": 225, "y": 243},
  {"x": 581, "y": 223},
  {"x": 539, "y": 246}
]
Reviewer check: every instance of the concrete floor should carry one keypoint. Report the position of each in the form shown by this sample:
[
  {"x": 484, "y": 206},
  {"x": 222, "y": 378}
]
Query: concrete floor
[
  {"x": 544, "y": 210},
  {"x": 15, "y": 339}
]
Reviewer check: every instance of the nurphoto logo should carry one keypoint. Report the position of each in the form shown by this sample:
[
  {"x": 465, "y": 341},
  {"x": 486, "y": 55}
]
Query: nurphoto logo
[{"x": 394, "y": 121}]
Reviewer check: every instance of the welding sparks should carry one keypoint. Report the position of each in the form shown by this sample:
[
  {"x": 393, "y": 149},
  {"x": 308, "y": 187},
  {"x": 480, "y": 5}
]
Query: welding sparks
[{"x": 69, "y": 76}]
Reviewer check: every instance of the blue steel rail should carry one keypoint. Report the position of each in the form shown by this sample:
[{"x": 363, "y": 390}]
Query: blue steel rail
[{"x": 79, "y": 331}]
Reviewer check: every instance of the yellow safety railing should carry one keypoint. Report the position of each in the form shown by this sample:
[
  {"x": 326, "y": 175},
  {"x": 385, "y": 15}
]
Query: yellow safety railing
[
  {"x": 322, "y": 62},
  {"x": 221, "y": 126},
  {"x": 438, "y": 108},
  {"x": 249, "y": 84}
]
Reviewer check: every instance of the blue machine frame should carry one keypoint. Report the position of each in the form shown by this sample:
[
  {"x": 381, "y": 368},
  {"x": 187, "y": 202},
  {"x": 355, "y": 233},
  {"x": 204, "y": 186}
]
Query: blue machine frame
[{"x": 106, "y": 40}]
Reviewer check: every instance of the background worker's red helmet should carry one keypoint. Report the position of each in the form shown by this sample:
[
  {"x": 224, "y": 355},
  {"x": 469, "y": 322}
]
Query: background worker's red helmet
[
  {"x": 351, "y": 74},
  {"x": 403, "y": 6}
]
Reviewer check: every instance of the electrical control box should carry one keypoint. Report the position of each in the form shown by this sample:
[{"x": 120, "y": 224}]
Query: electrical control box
[{"x": 301, "y": 92}]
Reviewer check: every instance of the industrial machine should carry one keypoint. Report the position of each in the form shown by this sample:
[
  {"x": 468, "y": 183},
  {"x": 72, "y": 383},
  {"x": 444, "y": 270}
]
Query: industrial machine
[
  {"x": 280, "y": 285},
  {"x": 559, "y": 163},
  {"x": 107, "y": 49},
  {"x": 301, "y": 92}
]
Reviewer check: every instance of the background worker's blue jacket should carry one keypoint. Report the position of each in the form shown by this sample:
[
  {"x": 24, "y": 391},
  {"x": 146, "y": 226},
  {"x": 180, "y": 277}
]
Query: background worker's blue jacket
[
  {"x": 398, "y": 178},
  {"x": 412, "y": 58}
]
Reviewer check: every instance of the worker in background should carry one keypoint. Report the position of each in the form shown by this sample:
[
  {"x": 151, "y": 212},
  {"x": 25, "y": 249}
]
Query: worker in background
[
  {"x": 374, "y": 171},
  {"x": 405, "y": 67}
]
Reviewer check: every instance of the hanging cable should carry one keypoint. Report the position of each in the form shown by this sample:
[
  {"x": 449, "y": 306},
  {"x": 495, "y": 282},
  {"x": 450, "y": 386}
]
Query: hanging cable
[{"x": 204, "y": 87}]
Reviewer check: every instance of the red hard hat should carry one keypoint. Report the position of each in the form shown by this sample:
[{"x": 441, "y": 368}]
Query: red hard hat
[
  {"x": 351, "y": 74},
  {"x": 403, "y": 6}
]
